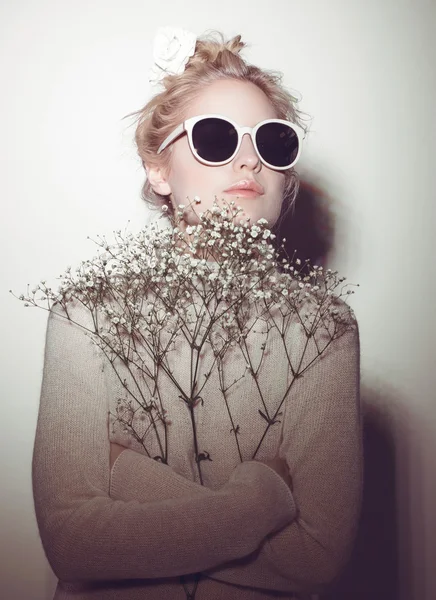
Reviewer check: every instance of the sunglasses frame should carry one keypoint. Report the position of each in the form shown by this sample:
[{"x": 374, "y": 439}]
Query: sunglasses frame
[{"x": 188, "y": 125}]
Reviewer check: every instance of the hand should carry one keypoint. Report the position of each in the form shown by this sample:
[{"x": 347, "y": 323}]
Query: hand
[
  {"x": 281, "y": 468},
  {"x": 115, "y": 451}
]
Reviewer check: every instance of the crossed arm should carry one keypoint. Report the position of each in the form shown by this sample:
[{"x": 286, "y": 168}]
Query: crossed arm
[{"x": 253, "y": 531}]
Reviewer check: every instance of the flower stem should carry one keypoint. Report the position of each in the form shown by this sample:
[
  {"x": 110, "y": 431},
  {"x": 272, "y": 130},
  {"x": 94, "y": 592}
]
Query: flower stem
[{"x": 194, "y": 429}]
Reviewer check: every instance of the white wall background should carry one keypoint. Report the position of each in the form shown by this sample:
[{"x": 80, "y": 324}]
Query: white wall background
[{"x": 366, "y": 72}]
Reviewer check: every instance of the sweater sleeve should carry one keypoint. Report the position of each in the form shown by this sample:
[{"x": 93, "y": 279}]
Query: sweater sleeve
[
  {"x": 86, "y": 534},
  {"x": 322, "y": 445}
]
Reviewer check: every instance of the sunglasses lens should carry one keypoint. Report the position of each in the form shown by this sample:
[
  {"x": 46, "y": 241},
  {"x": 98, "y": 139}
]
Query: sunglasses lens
[
  {"x": 277, "y": 143},
  {"x": 214, "y": 139}
]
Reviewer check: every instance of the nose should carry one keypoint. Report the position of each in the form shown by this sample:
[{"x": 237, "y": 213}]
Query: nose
[{"x": 247, "y": 156}]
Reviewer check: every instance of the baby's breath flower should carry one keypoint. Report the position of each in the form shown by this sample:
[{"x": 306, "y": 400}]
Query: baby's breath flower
[{"x": 159, "y": 282}]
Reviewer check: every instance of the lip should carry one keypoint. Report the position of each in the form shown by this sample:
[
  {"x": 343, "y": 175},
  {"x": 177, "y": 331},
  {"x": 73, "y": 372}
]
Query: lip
[{"x": 246, "y": 187}]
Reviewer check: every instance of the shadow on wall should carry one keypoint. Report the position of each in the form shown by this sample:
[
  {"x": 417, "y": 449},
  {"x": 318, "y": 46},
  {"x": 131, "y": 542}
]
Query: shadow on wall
[
  {"x": 309, "y": 228},
  {"x": 372, "y": 572}
]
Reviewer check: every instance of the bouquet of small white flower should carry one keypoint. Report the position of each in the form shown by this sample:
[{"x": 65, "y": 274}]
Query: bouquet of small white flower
[{"x": 209, "y": 284}]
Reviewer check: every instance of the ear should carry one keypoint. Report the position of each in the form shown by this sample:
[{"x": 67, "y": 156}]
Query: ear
[{"x": 158, "y": 181}]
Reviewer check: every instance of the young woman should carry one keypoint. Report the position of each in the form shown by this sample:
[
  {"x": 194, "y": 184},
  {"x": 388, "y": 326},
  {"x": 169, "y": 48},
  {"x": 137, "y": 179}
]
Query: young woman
[{"x": 116, "y": 524}]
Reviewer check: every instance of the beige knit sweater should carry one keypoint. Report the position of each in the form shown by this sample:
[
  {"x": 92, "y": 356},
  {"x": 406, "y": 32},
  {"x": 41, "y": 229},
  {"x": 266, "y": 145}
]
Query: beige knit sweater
[{"x": 129, "y": 533}]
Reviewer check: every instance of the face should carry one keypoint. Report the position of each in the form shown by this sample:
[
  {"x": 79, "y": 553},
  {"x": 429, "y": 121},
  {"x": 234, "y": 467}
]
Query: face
[{"x": 247, "y": 105}]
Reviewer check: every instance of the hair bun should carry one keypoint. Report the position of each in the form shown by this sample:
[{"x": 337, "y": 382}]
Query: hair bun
[{"x": 213, "y": 48}]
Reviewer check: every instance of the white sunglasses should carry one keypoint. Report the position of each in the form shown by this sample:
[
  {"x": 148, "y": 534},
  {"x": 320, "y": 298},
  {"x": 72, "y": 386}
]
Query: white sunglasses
[{"x": 215, "y": 140}]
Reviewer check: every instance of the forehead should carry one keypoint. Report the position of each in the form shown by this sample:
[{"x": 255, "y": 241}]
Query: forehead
[{"x": 241, "y": 101}]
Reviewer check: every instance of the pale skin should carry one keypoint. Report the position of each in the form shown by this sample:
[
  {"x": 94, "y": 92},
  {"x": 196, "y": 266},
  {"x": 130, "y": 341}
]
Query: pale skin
[{"x": 247, "y": 105}]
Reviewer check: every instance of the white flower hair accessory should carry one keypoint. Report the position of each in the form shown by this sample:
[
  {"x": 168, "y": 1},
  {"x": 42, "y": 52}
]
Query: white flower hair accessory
[{"x": 172, "y": 49}]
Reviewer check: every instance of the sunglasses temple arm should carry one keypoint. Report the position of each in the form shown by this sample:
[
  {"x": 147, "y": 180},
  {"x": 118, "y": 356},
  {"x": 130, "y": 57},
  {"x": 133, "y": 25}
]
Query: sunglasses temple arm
[{"x": 175, "y": 134}]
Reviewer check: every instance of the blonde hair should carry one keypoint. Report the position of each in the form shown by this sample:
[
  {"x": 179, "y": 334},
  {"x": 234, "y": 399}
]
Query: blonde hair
[{"x": 213, "y": 60}]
